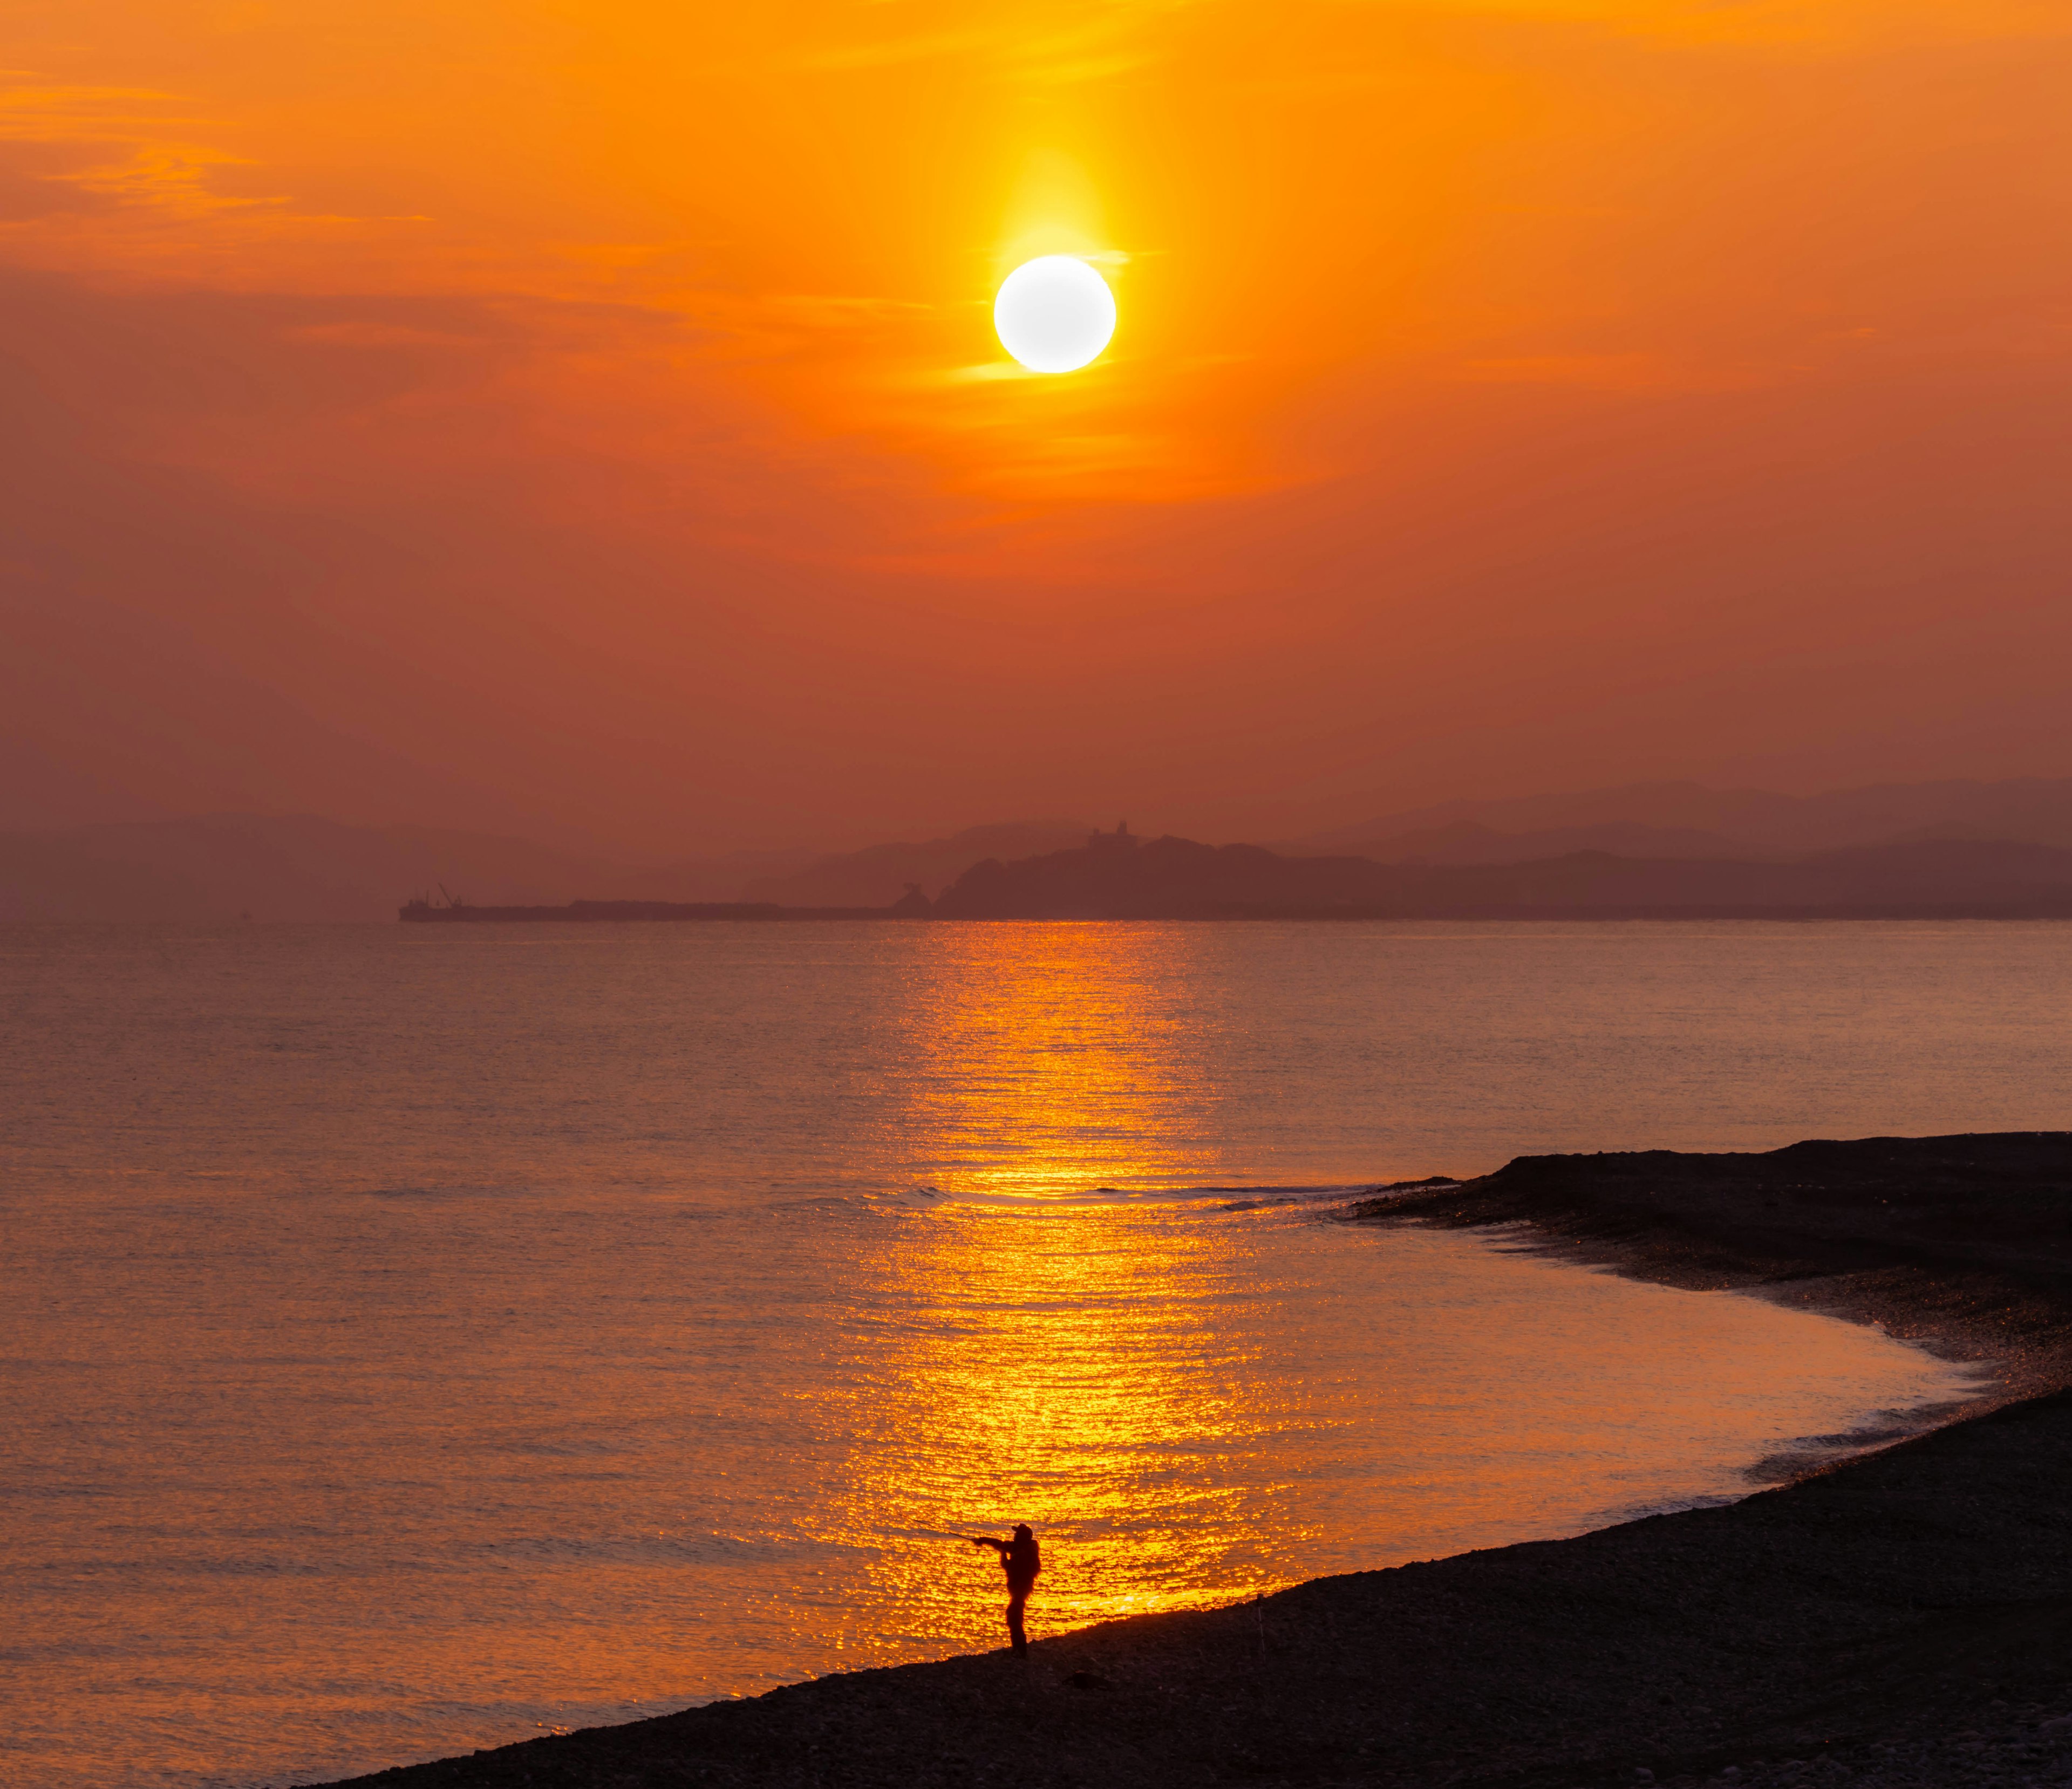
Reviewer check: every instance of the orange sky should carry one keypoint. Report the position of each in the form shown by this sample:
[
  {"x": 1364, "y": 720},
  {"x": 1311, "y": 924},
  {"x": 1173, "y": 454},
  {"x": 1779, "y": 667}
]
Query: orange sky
[{"x": 584, "y": 419}]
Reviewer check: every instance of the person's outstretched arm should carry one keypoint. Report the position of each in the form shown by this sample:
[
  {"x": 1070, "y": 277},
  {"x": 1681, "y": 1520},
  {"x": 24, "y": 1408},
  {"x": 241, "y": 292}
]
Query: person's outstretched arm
[{"x": 999, "y": 1547}]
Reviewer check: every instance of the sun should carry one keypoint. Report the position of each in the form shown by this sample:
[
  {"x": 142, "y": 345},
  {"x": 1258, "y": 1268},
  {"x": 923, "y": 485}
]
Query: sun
[{"x": 1055, "y": 314}]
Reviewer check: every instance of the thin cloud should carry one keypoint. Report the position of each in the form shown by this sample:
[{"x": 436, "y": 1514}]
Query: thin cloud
[
  {"x": 1803, "y": 24},
  {"x": 1113, "y": 45}
]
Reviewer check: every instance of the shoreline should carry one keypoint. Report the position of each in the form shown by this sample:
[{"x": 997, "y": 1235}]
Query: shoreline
[
  {"x": 1961, "y": 1245},
  {"x": 1901, "y": 1615},
  {"x": 1886, "y": 1303}
]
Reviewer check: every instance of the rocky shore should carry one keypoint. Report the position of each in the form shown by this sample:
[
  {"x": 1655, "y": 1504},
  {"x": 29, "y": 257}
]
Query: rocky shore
[{"x": 1901, "y": 1618}]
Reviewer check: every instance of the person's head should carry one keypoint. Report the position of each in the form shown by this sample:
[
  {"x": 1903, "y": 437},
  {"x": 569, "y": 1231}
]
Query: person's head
[{"x": 1021, "y": 1531}]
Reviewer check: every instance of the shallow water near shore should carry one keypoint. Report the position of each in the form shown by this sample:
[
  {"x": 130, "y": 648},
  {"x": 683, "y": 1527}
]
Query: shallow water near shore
[{"x": 428, "y": 1341}]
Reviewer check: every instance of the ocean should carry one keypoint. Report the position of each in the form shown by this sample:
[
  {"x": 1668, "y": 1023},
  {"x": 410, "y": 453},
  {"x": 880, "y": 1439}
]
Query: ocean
[{"x": 419, "y": 1339}]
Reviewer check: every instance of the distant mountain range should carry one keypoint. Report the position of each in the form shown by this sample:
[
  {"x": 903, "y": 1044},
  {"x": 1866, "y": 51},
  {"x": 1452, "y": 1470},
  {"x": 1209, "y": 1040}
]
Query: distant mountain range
[
  {"x": 1687, "y": 820},
  {"x": 1117, "y": 878},
  {"x": 213, "y": 868}
]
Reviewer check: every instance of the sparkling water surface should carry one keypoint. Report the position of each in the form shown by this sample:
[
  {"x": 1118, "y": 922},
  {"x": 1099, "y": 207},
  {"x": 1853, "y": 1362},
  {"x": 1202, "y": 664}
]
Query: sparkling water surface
[{"x": 421, "y": 1338}]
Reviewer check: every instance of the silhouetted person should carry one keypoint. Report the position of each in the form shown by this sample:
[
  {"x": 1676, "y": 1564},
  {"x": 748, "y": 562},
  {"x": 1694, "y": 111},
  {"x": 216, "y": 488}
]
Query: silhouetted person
[{"x": 1020, "y": 1559}]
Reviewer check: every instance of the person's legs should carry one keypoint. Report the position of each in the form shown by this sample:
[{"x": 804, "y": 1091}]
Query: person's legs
[{"x": 1015, "y": 1605}]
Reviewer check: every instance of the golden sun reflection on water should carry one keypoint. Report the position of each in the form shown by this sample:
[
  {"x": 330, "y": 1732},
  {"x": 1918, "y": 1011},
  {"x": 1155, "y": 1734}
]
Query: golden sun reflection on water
[
  {"x": 1073, "y": 1051},
  {"x": 1059, "y": 1358},
  {"x": 1058, "y": 1367}
]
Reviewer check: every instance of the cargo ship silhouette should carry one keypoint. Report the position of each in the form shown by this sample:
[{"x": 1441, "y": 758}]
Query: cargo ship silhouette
[{"x": 422, "y": 910}]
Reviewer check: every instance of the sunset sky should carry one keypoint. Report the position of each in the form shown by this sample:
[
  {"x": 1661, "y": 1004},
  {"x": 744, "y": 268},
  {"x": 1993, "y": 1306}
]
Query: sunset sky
[{"x": 584, "y": 419}]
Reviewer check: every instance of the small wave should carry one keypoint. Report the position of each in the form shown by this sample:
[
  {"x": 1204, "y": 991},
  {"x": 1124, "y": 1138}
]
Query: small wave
[
  {"x": 693, "y": 1546},
  {"x": 1233, "y": 1200}
]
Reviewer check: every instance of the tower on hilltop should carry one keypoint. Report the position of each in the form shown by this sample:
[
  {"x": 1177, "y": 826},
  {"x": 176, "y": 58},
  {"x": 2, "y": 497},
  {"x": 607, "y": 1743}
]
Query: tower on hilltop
[{"x": 1121, "y": 839}]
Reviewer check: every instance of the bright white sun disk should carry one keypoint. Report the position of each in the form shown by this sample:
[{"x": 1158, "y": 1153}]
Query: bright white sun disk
[{"x": 1055, "y": 314}]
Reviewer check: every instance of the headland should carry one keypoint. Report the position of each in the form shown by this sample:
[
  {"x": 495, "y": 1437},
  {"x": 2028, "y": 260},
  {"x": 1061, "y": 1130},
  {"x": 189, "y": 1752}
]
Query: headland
[
  {"x": 1901, "y": 1617},
  {"x": 1118, "y": 876}
]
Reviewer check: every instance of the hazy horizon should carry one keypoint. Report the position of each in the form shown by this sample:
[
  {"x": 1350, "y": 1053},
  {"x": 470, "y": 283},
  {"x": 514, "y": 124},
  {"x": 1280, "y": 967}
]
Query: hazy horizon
[{"x": 1501, "y": 812}]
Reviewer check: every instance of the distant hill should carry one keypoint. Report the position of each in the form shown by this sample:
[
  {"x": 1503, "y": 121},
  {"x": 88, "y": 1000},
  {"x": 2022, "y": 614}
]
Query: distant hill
[
  {"x": 878, "y": 876},
  {"x": 1667, "y": 820},
  {"x": 1466, "y": 842},
  {"x": 1117, "y": 877},
  {"x": 1670, "y": 846}
]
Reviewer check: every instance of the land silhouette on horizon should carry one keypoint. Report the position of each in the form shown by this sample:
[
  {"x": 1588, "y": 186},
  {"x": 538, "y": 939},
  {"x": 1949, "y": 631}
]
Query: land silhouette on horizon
[
  {"x": 1117, "y": 876},
  {"x": 1114, "y": 877},
  {"x": 1939, "y": 844}
]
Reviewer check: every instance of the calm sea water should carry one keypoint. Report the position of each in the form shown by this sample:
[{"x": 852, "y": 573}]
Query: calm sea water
[{"x": 419, "y": 1339}]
